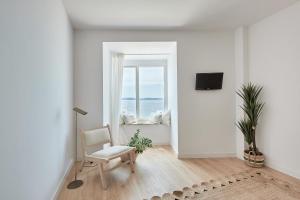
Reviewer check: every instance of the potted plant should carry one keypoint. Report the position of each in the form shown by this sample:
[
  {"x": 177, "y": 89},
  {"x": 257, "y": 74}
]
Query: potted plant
[
  {"x": 139, "y": 142},
  {"x": 252, "y": 107}
]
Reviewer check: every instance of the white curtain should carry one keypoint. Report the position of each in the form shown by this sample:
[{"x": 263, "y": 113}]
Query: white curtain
[{"x": 116, "y": 94}]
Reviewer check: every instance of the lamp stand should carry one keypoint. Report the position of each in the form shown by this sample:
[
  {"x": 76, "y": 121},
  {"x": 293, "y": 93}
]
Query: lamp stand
[{"x": 76, "y": 183}]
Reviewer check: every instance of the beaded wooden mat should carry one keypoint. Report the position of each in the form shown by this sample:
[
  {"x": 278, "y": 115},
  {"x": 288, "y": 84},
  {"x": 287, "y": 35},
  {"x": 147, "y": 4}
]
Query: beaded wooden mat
[{"x": 249, "y": 185}]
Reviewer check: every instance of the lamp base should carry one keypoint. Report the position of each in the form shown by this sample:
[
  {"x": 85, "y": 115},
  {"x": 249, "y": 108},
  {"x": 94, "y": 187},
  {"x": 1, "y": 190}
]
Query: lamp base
[{"x": 75, "y": 184}]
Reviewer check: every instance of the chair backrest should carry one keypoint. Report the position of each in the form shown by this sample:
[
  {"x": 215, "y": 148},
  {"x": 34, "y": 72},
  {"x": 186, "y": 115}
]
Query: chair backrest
[{"x": 96, "y": 137}]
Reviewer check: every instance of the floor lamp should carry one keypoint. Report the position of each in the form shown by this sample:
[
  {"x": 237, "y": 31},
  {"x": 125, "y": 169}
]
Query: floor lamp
[{"x": 76, "y": 183}]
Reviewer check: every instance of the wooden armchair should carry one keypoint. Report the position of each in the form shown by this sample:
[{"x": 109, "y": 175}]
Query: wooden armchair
[{"x": 97, "y": 138}]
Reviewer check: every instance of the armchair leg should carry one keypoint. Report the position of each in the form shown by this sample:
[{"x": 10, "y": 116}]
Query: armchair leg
[
  {"x": 131, "y": 161},
  {"x": 102, "y": 176}
]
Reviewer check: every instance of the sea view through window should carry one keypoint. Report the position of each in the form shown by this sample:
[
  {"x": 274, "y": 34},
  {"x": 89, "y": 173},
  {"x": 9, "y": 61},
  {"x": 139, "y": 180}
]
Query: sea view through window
[{"x": 146, "y": 97}]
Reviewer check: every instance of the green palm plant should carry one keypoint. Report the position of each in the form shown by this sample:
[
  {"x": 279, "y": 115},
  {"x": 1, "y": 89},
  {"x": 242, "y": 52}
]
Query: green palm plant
[
  {"x": 246, "y": 128},
  {"x": 252, "y": 108}
]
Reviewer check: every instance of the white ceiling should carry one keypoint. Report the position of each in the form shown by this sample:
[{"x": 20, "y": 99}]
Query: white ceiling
[
  {"x": 169, "y": 14},
  {"x": 140, "y": 47}
]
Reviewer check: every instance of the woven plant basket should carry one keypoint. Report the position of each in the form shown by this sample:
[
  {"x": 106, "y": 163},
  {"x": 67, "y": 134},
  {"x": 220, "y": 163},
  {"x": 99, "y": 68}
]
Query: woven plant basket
[{"x": 254, "y": 160}]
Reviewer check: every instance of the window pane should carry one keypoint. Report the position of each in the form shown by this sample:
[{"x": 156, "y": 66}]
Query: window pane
[
  {"x": 128, "y": 102},
  {"x": 151, "y": 82}
]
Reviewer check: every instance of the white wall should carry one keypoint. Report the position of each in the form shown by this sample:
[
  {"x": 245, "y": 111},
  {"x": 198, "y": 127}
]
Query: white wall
[
  {"x": 274, "y": 60},
  {"x": 173, "y": 97},
  {"x": 242, "y": 76},
  {"x": 159, "y": 134},
  {"x": 36, "y": 84},
  {"x": 205, "y": 118}
]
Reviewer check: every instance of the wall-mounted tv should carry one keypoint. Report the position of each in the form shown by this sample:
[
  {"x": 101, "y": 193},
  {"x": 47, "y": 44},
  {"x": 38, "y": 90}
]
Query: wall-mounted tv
[{"x": 209, "y": 81}]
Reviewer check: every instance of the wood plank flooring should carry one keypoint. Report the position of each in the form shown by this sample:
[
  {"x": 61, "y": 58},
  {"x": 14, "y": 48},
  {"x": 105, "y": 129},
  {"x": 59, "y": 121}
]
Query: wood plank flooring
[{"x": 157, "y": 171}]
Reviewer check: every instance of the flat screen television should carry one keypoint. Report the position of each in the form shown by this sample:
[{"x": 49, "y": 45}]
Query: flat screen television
[{"x": 209, "y": 81}]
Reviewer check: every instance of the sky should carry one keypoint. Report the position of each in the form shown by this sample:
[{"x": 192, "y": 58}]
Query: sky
[{"x": 151, "y": 81}]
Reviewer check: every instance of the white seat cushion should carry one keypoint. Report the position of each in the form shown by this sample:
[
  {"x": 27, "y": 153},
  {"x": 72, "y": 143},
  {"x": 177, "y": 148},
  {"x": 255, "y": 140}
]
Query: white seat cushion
[{"x": 110, "y": 152}]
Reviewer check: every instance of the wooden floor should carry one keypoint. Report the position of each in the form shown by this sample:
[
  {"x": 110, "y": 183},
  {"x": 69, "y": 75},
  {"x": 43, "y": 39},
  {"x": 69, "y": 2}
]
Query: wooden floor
[{"x": 157, "y": 171}]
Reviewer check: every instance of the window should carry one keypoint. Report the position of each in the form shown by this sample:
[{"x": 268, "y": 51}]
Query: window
[
  {"x": 151, "y": 90},
  {"x": 144, "y": 90},
  {"x": 128, "y": 104}
]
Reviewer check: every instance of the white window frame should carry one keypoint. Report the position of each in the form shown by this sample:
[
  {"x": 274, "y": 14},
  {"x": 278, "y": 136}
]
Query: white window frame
[{"x": 137, "y": 64}]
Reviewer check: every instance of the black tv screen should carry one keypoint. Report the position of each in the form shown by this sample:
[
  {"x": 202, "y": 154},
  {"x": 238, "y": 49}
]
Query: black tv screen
[{"x": 209, "y": 81}]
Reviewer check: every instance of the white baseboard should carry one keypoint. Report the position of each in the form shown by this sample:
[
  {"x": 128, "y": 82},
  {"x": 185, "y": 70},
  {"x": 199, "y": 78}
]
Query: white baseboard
[
  {"x": 216, "y": 155},
  {"x": 160, "y": 144},
  {"x": 286, "y": 171},
  {"x": 62, "y": 180},
  {"x": 175, "y": 151},
  {"x": 280, "y": 169}
]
